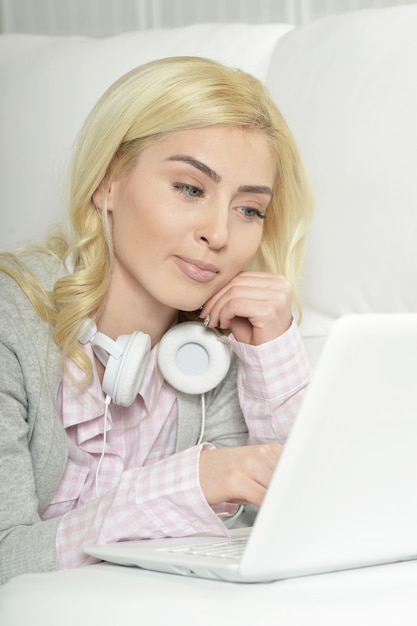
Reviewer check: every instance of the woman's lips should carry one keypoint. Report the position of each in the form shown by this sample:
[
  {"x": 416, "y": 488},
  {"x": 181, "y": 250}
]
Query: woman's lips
[{"x": 197, "y": 270}]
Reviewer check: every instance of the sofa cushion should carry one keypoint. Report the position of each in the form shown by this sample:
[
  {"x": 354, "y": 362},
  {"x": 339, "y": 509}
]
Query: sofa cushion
[{"x": 348, "y": 88}]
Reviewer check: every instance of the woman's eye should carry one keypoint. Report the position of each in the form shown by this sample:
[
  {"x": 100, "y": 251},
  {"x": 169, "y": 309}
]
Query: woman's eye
[
  {"x": 188, "y": 190},
  {"x": 250, "y": 213}
]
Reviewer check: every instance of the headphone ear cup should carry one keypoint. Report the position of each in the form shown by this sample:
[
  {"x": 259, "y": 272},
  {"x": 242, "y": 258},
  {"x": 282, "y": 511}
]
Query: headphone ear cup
[
  {"x": 123, "y": 375},
  {"x": 192, "y": 359}
]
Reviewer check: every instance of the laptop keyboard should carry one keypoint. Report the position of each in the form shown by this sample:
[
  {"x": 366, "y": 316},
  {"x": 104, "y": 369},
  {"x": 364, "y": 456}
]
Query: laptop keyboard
[{"x": 230, "y": 549}]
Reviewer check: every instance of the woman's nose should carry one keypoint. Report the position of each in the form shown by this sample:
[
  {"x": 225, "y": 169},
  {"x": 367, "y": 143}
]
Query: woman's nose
[{"x": 214, "y": 228}]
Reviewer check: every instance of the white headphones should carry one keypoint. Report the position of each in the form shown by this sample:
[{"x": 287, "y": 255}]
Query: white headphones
[{"x": 190, "y": 358}]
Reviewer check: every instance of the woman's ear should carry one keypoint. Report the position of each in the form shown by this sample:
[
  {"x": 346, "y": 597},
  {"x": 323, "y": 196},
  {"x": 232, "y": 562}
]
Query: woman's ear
[{"x": 103, "y": 195}]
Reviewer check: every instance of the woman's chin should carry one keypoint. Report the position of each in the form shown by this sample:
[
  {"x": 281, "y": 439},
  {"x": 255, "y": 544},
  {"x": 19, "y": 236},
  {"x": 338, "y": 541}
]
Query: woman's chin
[{"x": 194, "y": 308}]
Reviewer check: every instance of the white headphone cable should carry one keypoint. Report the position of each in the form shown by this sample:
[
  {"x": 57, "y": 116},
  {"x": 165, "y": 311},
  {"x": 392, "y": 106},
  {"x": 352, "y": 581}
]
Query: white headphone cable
[
  {"x": 203, "y": 418},
  {"x": 228, "y": 521},
  {"x": 106, "y": 412}
]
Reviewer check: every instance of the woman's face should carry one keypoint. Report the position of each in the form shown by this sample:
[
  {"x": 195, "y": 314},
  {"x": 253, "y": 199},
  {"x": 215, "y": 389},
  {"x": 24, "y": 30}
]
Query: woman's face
[{"x": 189, "y": 216}]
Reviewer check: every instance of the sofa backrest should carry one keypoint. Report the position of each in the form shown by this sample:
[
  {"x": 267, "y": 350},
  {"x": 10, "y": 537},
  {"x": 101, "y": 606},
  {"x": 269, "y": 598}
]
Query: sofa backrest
[{"x": 348, "y": 88}]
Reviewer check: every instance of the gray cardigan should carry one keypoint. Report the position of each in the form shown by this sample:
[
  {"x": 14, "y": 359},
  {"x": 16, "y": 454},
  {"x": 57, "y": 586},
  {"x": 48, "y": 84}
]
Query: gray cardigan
[{"x": 33, "y": 443}]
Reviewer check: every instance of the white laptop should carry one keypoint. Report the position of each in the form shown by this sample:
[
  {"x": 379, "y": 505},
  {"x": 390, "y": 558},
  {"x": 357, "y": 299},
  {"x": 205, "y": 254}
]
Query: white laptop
[{"x": 344, "y": 494}]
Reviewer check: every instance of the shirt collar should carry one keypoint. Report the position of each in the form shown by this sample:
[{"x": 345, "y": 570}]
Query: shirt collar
[
  {"x": 152, "y": 382},
  {"x": 79, "y": 403}
]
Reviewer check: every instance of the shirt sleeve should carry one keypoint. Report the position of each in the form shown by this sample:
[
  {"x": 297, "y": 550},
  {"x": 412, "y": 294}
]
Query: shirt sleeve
[
  {"x": 271, "y": 381},
  {"x": 159, "y": 500}
]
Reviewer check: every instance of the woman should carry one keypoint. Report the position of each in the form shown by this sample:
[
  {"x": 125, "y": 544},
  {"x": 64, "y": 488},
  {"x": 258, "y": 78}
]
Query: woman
[{"x": 188, "y": 202}]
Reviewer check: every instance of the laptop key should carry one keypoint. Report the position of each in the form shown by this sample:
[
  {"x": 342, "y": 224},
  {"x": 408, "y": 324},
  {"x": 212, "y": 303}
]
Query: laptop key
[{"x": 223, "y": 549}]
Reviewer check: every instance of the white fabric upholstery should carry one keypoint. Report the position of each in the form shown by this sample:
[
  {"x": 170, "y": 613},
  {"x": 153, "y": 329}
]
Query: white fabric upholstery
[{"x": 347, "y": 86}]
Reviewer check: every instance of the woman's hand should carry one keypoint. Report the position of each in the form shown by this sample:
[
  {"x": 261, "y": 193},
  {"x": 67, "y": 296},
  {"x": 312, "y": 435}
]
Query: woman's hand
[
  {"x": 238, "y": 475},
  {"x": 255, "y": 306}
]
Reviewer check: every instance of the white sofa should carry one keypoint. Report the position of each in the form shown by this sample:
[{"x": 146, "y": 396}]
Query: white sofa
[{"x": 348, "y": 88}]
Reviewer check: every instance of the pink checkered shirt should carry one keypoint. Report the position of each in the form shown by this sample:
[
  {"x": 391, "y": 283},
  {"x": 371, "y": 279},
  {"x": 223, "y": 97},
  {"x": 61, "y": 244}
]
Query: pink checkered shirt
[{"x": 146, "y": 490}]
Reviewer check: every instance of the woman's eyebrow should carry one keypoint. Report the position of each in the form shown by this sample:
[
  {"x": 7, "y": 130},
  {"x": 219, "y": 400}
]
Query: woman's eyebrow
[
  {"x": 202, "y": 167},
  {"x": 198, "y": 165},
  {"x": 256, "y": 189}
]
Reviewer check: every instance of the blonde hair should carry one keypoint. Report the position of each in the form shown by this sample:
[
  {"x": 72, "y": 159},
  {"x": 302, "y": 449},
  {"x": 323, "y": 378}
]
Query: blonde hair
[{"x": 146, "y": 103}]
